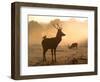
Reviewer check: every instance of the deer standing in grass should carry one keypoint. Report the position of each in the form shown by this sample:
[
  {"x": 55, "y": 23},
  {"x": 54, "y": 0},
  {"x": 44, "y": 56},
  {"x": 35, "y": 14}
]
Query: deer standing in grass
[
  {"x": 52, "y": 43},
  {"x": 73, "y": 45}
]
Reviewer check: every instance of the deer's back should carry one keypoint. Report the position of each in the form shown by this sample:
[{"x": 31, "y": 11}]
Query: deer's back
[{"x": 49, "y": 43}]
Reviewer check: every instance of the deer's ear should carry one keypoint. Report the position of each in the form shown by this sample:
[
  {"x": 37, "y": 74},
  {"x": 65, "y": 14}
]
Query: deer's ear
[{"x": 60, "y": 28}]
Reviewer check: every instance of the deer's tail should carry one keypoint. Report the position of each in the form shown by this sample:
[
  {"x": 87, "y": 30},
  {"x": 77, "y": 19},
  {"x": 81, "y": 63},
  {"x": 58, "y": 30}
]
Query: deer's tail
[{"x": 44, "y": 37}]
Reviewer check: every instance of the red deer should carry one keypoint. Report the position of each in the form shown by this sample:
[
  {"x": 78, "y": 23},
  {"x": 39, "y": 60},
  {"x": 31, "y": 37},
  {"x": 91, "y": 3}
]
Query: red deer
[
  {"x": 52, "y": 43},
  {"x": 73, "y": 45}
]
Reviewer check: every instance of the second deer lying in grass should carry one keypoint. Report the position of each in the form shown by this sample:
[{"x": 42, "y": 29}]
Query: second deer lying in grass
[{"x": 52, "y": 43}]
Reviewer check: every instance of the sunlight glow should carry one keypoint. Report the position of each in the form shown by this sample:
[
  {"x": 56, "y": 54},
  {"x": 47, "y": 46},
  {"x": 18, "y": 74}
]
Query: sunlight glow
[{"x": 76, "y": 29}]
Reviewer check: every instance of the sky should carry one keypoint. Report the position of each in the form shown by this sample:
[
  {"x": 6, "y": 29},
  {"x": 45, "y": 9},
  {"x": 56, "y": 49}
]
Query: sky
[
  {"x": 75, "y": 28},
  {"x": 47, "y": 19}
]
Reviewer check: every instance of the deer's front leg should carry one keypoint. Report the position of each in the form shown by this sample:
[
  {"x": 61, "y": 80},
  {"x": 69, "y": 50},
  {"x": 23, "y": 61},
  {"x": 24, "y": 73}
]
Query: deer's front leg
[{"x": 55, "y": 54}]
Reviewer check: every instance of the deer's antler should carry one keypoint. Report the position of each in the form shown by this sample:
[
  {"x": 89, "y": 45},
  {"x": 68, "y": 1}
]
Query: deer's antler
[
  {"x": 59, "y": 26},
  {"x": 55, "y": 26}
]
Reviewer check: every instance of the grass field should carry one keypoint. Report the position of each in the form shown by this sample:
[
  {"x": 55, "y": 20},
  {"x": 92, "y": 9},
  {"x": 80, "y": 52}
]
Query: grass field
[{"x": 64, "y": 56}]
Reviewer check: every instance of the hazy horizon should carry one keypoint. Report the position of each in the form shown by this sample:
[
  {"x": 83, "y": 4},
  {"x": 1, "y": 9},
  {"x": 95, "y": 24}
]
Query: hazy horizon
[{"x": 76, "y": 29}]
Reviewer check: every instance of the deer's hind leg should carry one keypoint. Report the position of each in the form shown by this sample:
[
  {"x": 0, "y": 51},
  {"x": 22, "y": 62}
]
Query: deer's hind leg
[
  {"x": 55, "y": 54},
  {"x": 52, "y": 54},
  {"x": 44, "y": 54}
]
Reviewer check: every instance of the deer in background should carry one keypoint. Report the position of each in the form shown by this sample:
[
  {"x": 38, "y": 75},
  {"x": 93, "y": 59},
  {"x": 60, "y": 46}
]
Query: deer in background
[
  {"x": 73, "y": 45},
  {"x": 52, "y": 43}
]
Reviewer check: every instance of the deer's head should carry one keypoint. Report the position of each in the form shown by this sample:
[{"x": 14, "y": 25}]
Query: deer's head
[{"x": 59, "y": 32}]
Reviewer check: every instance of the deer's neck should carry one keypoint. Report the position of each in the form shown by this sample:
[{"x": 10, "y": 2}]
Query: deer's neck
[{"x": 58, "y": 39}]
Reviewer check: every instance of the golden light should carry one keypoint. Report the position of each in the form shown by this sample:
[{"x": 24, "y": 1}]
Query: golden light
[{"x": 76, "y": 29}]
